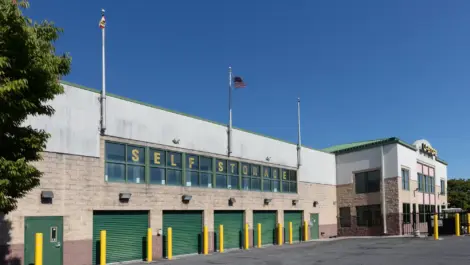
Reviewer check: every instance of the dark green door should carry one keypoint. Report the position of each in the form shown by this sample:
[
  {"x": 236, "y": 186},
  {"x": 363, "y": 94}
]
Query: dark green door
[
  {"x": 187, "y": 231},
  {"x": 233, "y": 228},
  {"x": 51, "y": 228},
  {"x": 296, "y": 218},
  {"x": 267, "y": 219},
  {"x": 126, "y": 235},
  {"x": 314, "y": 226}
]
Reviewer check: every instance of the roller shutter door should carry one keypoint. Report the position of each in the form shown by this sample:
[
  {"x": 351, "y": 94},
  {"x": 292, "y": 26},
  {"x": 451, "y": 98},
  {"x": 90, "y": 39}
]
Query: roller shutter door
[
  {"x": 126, "y": 233},
  {"x": 233, "y": 228},
  {"x": 296, "y": 218},
  {"x": 187, "y": 231},
  {"x": 267, "y": 219}
]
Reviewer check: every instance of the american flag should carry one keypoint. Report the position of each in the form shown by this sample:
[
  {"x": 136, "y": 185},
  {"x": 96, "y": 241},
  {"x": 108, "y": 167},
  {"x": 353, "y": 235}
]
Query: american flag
[{"x": 238, "y": 82}]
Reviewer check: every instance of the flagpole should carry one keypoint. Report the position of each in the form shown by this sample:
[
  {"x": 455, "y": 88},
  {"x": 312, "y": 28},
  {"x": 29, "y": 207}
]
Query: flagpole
[
  {"x": 229, "y": 151},
  {"x": 299, "y": 143},
  {"x": 103, "y": 89}
]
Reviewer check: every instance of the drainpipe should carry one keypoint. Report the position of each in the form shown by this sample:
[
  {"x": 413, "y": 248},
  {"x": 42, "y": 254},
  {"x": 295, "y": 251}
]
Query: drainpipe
[{"x": 384, "y": 206}]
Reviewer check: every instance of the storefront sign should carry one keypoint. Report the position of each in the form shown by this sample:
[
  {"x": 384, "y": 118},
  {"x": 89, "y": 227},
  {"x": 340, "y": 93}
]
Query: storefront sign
[{"x": 428, "y": 149}]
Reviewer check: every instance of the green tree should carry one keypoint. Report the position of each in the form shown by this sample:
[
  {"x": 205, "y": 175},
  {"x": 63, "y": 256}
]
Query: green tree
[
  {"x": 29, "y": 77},
  {"x": 459, "y": 193}
]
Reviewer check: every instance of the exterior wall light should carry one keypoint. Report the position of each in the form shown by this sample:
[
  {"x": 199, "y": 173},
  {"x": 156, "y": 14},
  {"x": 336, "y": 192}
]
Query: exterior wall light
[
  {"x": 315, "y": 203},
  {"x": 125, "y": 196},
  {"x": 186, "y": 198},
  {"x": 231, "y": 201},
  {"x": 47, "y": 196},
  {"x": 267, "y": 201},
  {"x": 294, "y": 202}
]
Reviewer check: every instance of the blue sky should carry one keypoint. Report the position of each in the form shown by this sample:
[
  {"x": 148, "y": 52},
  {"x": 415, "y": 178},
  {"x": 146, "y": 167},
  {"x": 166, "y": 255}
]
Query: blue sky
[{"x": 363, "y": 69}]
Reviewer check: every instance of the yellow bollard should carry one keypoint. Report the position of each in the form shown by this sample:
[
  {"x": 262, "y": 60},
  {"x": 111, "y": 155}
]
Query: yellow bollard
[
  {"x": 305, "y": 231},
  {"x": 259, "y": 235},
  {"x": 279, "y": 234},
  {"x": 206, "y": 241},
  {"x": 247, "y": 243},
  {"x": 436, "y": 227},
  {"x": 457, "y": 224},
  {"x": 103, "y": 247},
  {"x": 149, "y": 245},
  {"x": 221, "y": 238},
  {"x": 468, "y": 223},
  {"x": 38, "y": 249},
  {"x": 290, "y": 233},
  {"x": 170, "y": 243}
]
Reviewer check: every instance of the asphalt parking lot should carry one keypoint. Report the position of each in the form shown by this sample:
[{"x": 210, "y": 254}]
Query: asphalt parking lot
[{"x": 356, "y": 251}]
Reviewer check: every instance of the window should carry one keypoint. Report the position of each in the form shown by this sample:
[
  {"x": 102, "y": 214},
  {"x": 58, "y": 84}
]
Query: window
[
  {"x": 226, "y": 174},
  {"x": 124, "y": 163},
  {"x": 345, "y": 217},
  {"x": 289, "y": 181},
  {"x": 443, "y": 187},
  {"x": 421, "y": 182},
  {"x": 166, "y": 168},
  {"x": 198, "y": 171},
  {"x": 368, "y": 215},
  {"x": 406, "y": 213},
  {"x": 425, "y": 212},
  {"x": 405, "y": 179},
  {"x": 251, "y": 177},
  {"x": 367, "y": 182}
]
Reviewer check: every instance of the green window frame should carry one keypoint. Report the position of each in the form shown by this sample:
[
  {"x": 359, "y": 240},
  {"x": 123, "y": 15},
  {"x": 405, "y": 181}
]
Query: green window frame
[
  {"x": 226, "y": 174},
  {"x": 125, "y": 163},
  {"x": 406, "y": 213},
  {"x": 405, "y": 179},
  {"x": 369, "y": 215},
  {"x": 443, "y": 187},
  {"x": 289, "y": 181},
  {"x": 367, "y": 182},
  {"x": 165, "y": 167},
  {"x": 271, "y": 179},
  {"x": 198, "y": 171}
]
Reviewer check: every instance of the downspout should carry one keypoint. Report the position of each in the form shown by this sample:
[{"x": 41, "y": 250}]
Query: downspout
[{"x": 384, "y": 206}]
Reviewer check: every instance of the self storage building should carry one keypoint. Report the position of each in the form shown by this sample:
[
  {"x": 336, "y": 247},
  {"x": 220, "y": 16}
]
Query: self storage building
[
  {"x": 405, "y": 181},
  {"x": 155, "y": 168}
]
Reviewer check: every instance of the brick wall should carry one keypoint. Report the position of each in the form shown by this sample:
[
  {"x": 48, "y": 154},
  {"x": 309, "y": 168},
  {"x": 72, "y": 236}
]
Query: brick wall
[{"x": 79, "y": 188}]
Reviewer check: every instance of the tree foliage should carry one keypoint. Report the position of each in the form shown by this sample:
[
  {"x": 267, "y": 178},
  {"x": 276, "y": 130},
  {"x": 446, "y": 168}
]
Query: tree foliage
[
  {"x": 459, "y": 193},
  {"x": 29, "y": 74}
]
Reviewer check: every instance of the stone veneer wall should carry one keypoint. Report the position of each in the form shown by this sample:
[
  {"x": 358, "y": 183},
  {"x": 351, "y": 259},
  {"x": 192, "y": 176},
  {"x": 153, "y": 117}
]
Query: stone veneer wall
[{"x": 79, "y": 189}]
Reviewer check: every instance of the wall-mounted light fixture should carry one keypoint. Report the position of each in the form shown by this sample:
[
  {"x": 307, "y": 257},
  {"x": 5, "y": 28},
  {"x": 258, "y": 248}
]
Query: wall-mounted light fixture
[
  {"x": 47, "y": 196},
  {"x": 176, "y": 141},
  {"x": 231, "y": 201},
  {"x": 315, "y": 203},
  {"x": 294, "y": 202},
  {"x": 159, "y": 232},
  {"x": 267, "y": 201},
  {"x": 268, "y": 158},
  {"x": 186, "y": 198},
  {"x": 414, "y": 192},
  {"x": 125, "y": 196}
]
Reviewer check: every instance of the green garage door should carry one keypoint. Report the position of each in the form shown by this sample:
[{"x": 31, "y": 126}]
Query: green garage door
[
  {"x": 267, "y": 219},
  {"x": 126, "y": 234},
  {"x": 233, "y": 228},
  {"x": 296, "y": 218},
  {"x": 187, "y": 231}
]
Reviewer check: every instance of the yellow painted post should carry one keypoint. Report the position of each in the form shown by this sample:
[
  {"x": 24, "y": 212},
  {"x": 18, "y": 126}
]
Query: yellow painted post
[
  {"x": 279, "y": 234},
  {"x": 103, "y": 247},
  {"x": 305, "y": 231},
  {"x": 247, "y": 243},
  {"x": 457, "y": 224},
  {"x": 221, "y": 238},
  {"x": 38, "y": 249},
  {"x": 259, "y": 235},
  {"x": 468, "y": 223},
  {"x": 290, "y": 233},
  {"x": 169, "y": 240},
  {"x": 149, "y": 245},
  {"x": 206, "y": 241},
  {"x": 436, "y": 227}
]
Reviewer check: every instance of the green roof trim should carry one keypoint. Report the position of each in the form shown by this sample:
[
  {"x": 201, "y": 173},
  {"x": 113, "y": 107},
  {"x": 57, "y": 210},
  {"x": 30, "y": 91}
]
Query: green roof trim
[
  {"x": 357, "y": 146},
  {"x": 181, "y": 113}
]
